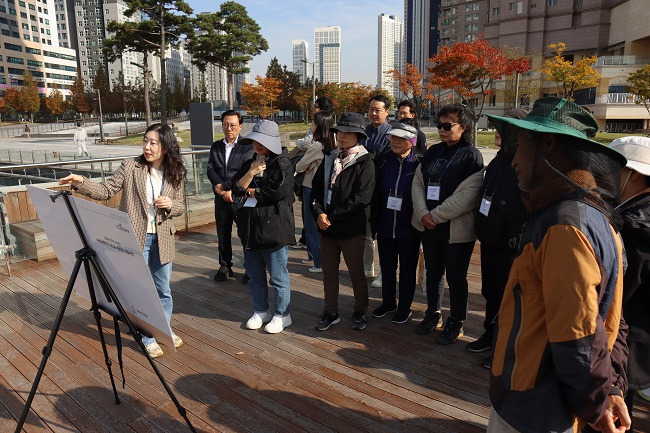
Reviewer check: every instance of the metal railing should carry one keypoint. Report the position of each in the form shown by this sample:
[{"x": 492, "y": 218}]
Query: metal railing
[
  {"x": 617, "y": 98},
  {"x": 621, "y": 60}
]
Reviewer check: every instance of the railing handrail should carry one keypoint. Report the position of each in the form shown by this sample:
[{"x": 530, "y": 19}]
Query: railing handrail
[{"x": 87, "y": 161}]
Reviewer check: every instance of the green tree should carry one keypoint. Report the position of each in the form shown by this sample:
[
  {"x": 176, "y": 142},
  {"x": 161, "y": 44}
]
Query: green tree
[
  {"x": 200, "y": 92},
  {"x": 171, "y": 23},
  {"x": 140, "y": 37},
  {"x": 29, "y": 100},
  {"x": 177, "y": 95},
  {"x": 287, "y": 101},
  {"x": 101, "y": 83},
  {"x": 78, "y": 96},
  {"x": 55, "y": 102},
  {"x": 228, "y": 39},
  {"x": 639, "y": 82}
]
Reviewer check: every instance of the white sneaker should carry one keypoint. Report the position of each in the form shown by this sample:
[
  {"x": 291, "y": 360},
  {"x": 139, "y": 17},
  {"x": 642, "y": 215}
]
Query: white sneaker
[
  {"x": 178, "y": 342},
  {"x": 258, "y": 319},
  {"x": 154, "y": 350},
  {"x": 278, "y": 323},
  {"x": 306, "y": 261},
  {"x": 376, "y": 283},
  {"x": 370, "y": 274},
  {"x": 315, "y": 270}
]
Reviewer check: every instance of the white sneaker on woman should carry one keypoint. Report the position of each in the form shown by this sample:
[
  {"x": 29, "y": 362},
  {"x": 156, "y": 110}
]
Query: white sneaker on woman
[
  {"x": 278, "y": 323},
  {"x": 258, "y": 319}
]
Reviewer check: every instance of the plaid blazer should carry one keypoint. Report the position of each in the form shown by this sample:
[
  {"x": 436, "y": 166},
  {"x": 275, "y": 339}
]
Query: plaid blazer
[{"x": 131, "y": 178}]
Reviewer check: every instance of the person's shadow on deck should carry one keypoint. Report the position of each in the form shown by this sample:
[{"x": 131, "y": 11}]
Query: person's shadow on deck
[{"x": 268, "y": 404}]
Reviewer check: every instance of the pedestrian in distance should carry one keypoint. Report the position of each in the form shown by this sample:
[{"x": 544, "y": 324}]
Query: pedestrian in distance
[
  {"x": 152, "y": 196},
  {"x": 80, "y": 138}
]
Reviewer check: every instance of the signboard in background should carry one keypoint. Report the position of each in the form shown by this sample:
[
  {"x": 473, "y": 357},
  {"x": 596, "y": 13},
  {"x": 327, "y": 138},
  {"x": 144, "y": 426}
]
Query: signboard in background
[
  {"x": 201, "y": 123},
  {"x": 110, "y": 236}
]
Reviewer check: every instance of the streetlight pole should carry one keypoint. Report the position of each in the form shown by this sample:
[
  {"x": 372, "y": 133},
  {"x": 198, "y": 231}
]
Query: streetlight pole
[
  {"x": 101, "y": 123},
  {"x": 313, "y": 80},
  {"x": 126, "y": 120}
]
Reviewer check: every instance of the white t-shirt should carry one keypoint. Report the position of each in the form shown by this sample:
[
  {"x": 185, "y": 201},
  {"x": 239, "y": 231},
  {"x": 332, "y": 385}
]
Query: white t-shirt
[{"x": 154, "y": 188}]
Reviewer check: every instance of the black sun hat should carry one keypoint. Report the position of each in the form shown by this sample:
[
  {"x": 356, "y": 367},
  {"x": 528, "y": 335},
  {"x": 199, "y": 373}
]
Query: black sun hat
[{"x": 351, "y": 122}]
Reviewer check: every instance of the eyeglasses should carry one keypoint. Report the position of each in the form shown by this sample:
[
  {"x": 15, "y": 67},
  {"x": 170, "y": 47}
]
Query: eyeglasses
[
  {"x": 446, "y": 126},
  {"x": 231, "y": 125}
]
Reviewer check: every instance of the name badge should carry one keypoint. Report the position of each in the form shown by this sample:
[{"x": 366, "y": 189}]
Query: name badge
[
  {"x": 250, "y": 202},
  {"x": 486, "y": 202},
  {"x": 329, "y": 196},
  {"x": 394, "y": 203},
  {"x": 433, "y": 192}
]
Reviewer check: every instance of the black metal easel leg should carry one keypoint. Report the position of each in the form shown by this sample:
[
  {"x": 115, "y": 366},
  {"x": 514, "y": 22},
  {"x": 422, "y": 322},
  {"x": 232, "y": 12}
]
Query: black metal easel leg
[
  {"x": 47, "y": 350},
  {"x": 138, "y": 339},
  {"x": 98, "y": 319}
]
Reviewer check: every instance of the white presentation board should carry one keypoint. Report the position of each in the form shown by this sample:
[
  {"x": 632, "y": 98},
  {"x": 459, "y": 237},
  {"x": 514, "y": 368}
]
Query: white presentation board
[{"x": 110, "y": 235}]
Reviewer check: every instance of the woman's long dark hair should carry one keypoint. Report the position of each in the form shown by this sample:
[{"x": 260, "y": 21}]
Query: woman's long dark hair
[
  {"x": 324, "y": 120},
  {"x": 173, "y": 164}
]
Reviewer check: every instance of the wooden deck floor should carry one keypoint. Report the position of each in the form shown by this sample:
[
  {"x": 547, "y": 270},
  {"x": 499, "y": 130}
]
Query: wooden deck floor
[{"x": 383, "y": 379}]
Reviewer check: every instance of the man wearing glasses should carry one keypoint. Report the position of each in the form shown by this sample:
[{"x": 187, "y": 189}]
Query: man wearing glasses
[{"x": 226, "y": 158}]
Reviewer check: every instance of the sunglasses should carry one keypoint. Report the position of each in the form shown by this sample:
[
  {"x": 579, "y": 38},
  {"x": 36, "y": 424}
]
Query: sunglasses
[{"x": 446, "y": 126}]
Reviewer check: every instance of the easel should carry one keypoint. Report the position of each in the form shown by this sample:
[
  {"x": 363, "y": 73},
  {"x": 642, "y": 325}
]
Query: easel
[{"x": 86, "y": 257}]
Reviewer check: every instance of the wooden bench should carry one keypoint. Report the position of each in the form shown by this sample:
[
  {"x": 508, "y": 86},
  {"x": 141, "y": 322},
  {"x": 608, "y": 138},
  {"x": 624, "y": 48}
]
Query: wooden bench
[{"x": 108, "y": 141}]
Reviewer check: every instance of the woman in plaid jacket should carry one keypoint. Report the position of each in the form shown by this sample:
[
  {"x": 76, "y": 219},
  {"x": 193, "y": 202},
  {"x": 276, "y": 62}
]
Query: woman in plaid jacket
[{"x": 152, "y": 194}]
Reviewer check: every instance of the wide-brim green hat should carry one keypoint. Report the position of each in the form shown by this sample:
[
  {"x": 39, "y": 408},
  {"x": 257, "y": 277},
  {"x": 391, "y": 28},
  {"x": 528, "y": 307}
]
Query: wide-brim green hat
[{"x": 553, "y": 115}]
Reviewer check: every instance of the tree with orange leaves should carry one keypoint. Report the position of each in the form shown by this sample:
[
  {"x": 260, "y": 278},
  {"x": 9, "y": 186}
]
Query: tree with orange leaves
[
  {"x": 411, "y": 83},
  {"x": 471, "y": 68},
  {"x": 570, "y": 76},
  {"x": 260, "y": 97}
]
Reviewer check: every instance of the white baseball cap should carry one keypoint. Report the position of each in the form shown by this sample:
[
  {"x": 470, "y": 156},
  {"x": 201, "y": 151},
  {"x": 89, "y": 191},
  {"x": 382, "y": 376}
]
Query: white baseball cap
[{"x": 636, "y": 150}]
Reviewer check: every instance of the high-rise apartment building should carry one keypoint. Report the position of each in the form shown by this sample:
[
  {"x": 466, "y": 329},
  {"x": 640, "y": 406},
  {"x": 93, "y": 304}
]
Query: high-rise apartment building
[
  {"x": 390, "y": 31},
  {"x": 461, "y": 21},
  {"x": 421, "y": 32},
  {"x": 29, "y": 42},
  {"x": 300, "y": 54},
  {"x": 327, "y": 54}
]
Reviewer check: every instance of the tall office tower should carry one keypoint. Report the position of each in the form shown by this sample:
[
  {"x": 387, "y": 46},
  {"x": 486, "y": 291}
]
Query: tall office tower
[
  {"x": 390, "y": 33},
  {"x": 327, "y": 54},
  {"x": 300, "y": 50},
  {"x": 30, "y": 43},
  {"x": 91, "y": 17},
  {"x": 421, "y": 32},
  {"x": 461, "y": 22},
  {"x": 65, "y": 23}
]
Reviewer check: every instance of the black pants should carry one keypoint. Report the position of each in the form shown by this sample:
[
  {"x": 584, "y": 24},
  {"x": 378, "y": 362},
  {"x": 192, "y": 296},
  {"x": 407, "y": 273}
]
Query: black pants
[
  {"x": 441, "y": 256},
  {"x": 407, "y": 251},
  {"x": 495, "y": 269},
  {"x": 224, "y": 216}
]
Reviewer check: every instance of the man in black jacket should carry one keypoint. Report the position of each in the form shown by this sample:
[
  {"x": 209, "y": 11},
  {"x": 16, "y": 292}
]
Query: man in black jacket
[{"x": 226, "y": 158}]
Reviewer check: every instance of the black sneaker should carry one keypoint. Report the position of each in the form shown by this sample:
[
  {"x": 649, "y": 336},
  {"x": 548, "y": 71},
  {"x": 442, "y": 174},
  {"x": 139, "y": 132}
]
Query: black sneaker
[
  {"x": 487, "y": 362},
  {"x": 245, "y": 279},
  {"x": 223, "y": 273},
  {"x": 452, "y": 332},
  {"x": 483, "y": 344},
  {"x": 327, "y": 320},
  {"x": 401, "y": 316},
  {"x": 358, "y": 321},
  {"x": 383, "y": 309},
  {"x": 432, "y": 320}
]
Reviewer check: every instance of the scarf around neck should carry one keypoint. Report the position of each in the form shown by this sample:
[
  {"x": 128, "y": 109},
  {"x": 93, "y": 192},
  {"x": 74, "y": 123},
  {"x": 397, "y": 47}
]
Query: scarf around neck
[{"x": 342, "y": 160}]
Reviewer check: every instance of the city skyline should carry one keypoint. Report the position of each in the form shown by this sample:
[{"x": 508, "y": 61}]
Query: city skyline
[{"x": 358, "y": 22}]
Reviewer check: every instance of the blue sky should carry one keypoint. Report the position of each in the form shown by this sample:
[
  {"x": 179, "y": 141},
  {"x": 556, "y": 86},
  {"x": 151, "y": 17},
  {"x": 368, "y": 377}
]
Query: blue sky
[{"x": 284, "y": 20}]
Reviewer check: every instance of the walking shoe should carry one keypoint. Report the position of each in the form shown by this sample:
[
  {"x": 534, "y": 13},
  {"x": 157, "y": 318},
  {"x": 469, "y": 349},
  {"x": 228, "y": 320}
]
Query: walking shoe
[
  {"x": 223, "y": 273},
  {"x": 487, "y": 362},
  {"x": 483, "y": 343},
  {"x": 327, "y": 320},
  {"x": 245, "y": 279},
  {"x": 358, "y": 321},
  {"x": 307, "y": 261},
  {"x": 154, "y": 350},
  {"x": 401, "y": 316},
  {"x": 315, "y": 270},
  {"x": 258, "y": 319},
  {"x": 452, "y": 332},
  {"x": 370, "y": 273},
  {"x": 277, "y": 324},
  {"x": 644, "y": 394},
  {"x": 432, "y": 320},
  {"x": 376, "y": 283},
  {"x": 178, "y": 342},
  {"x": 383, "y": 309},
  {"x": 299, "y": 246}
]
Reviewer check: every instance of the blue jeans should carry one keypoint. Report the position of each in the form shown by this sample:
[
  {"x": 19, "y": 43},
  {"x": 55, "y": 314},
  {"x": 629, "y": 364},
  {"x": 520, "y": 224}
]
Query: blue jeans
[
  {"x": 161, "y": 275},
  {"x": 257, "y": 262},
  {"x": 311, "y": 229}
]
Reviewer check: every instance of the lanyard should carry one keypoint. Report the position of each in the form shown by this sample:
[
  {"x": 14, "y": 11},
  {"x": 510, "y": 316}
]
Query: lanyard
[{"x": 446, "y": 166}]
